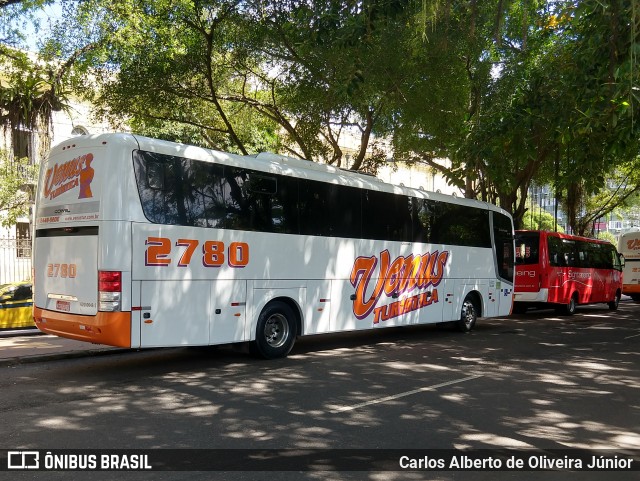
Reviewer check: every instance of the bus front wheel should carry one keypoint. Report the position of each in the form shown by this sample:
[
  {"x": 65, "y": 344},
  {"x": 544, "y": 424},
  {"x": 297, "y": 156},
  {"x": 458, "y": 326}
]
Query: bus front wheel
[
  {"x": 569, "y": 309},
  {"x": 468, "y": 315},
  {"x": 276, "y": 331}
]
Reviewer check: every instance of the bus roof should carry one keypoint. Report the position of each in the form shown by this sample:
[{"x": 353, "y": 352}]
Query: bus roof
[
  {"x": 562, "y": 235},
  {"x": 273, "y": 163}
]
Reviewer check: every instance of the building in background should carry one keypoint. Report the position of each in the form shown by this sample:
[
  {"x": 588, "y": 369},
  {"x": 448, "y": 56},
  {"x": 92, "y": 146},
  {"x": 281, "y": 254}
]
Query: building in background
[{"x": 414, "y": 175}]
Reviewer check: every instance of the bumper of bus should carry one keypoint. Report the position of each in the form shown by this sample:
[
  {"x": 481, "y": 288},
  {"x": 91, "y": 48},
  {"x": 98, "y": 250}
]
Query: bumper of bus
[
  {"x": 110, "y": 328},
  {"x": 631, "y": 289},
  {"x": 538, "y": 296}
]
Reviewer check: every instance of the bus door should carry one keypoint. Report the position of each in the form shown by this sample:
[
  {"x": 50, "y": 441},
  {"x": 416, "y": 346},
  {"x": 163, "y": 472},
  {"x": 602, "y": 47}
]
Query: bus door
[{"x": 500, "y": 290}]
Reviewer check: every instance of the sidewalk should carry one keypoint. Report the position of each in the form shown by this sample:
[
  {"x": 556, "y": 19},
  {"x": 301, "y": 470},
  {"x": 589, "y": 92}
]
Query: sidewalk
[{"x": 31, "y": 345}]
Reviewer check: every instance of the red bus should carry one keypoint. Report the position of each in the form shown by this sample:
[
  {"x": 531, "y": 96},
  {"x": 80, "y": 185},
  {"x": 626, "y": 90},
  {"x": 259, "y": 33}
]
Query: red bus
[{"x": 563, "y": 271}]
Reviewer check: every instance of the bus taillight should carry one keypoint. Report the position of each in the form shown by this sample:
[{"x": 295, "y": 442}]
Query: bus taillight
[{"x": 109, "y": 290}]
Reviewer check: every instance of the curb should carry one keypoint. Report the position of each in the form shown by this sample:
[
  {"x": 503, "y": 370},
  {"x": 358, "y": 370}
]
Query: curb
[
  {"x": 12, "y": 361},
  {"x": 21, "y": 332}
]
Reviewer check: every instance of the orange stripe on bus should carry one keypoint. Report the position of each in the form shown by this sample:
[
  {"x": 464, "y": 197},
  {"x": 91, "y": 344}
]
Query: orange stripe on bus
[
  {"x": 630, "y": 289},
  {"x": 110, "y": 328}
]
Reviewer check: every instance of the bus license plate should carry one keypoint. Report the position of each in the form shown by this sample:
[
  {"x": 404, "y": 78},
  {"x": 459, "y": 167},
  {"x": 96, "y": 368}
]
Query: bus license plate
[{"x": 63, "y": 306}]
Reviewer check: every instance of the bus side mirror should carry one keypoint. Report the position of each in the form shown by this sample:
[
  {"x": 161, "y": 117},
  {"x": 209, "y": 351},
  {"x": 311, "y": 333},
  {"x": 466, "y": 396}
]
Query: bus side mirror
[{"x": 621, "y": 260}]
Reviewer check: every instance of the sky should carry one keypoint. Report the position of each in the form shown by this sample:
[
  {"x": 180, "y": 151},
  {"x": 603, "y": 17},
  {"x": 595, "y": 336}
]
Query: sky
[{"x": 45, "y": 17}]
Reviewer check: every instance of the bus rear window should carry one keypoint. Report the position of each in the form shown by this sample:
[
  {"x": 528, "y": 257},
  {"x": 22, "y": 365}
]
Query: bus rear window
[{"x": 527, "y": 248}]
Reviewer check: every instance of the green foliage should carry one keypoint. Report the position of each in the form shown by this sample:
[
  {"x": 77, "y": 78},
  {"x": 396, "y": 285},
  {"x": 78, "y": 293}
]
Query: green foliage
[
  {"x": 539, "y": 219},
  {"x": 14, "y": 15},
  {"x": 509, "y": 92},
  {"x": 17, "y": 179},
  {"x": 620, "y": 191},
  {"x": 561, "y": 109},
  {"x": 31, "y": 89},
  {"x": 251, "y": 74},
  {"x": 608, "y": 236}
]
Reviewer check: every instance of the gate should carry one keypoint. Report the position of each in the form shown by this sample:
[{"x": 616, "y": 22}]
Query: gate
[{"x": 15, "y": 259}]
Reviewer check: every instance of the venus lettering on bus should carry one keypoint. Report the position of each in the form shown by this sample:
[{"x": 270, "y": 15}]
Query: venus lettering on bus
[
  {"x": 405, "y": 306},
  {"x": 633, "y": 244},
  {"x": 404, "y": 274},
  {"x": 63, "y": 177}
]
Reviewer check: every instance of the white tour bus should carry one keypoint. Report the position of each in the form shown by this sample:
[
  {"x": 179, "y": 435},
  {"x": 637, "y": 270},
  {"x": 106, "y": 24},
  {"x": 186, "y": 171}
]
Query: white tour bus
[
  {"x": 147, "y": 243},
  {"x": 629, "y": 247}
]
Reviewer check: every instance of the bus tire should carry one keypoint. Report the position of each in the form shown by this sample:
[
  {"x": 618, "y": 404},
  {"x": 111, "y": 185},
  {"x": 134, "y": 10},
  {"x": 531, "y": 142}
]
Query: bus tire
[
  {"x": 569, "y": 309},
  {"x": 275, "y": 332},
  {"x": 613, "y": 305},
  {"x": 468, "y": 315},
  {"x": 635, "y": 297}
]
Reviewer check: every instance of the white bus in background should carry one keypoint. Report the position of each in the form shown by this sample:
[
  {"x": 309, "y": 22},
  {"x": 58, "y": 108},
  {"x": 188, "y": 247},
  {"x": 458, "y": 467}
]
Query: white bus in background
[
  {"x": 629, "y": 247},
  {"x": 146, "y": 243}
]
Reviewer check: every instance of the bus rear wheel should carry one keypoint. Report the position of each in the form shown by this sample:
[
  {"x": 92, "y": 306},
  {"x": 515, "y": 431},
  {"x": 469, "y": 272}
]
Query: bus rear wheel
[
  {"x": 275, "y": 332},
  {"x": 613, "y": 305},
  {"x": 468, "y": 315}
]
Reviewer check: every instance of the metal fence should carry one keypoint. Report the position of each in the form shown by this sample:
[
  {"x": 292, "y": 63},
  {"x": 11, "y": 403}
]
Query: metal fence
[{"x": 15, "y": 259}]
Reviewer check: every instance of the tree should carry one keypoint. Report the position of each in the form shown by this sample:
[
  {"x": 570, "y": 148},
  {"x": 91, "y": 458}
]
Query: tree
[
  {"x": 17, "y": 179},
  {"x": 608, "y": 236},
  {"x": 604, "y": 132},
  {"x": 551, "y": 97},
  {"x": 14, "y": 16},
  {"x": 30, "y": 91},
  {"x": 619, "y": 191},
  {"x": 228, "y": 71},
  {"x": 539, "y": 219},
  {"x": 510, "y": 92},
  {"x": 494, "y": 130},
  {"x": 346, "y": 74}
]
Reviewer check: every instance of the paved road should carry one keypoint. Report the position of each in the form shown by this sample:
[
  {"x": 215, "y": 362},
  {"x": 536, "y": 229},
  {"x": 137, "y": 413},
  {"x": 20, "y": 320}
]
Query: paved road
[{"x": 533, "y": 382}]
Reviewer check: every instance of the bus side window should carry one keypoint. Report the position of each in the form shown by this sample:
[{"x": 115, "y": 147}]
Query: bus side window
[
  {"x": 556, "y": 252},
  {"x": 313, "y": 207},
  {"x": 425, "y": 220},
  {"x": 345, "y": 211},
  {"x": 155, "y": 175},
  {"x": 386, "y": 216},
  {"x": 570, "y": 254},
  {"x": 259, "y": 196}
]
